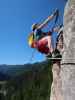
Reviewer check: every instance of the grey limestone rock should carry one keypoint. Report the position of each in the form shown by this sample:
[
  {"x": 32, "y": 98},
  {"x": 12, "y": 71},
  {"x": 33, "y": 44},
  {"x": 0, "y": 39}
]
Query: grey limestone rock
[
  {"x": 68, "y": 60},
  {"x": 63, "y": 87}
]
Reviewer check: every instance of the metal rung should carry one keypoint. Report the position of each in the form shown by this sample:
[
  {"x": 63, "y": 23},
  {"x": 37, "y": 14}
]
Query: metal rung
[
  {"x": 61, "y": 58},
  {"x": 54, "y": 58}
]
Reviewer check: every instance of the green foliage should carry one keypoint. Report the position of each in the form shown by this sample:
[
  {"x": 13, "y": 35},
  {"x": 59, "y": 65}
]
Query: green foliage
[{"x": 34, "y": 84}]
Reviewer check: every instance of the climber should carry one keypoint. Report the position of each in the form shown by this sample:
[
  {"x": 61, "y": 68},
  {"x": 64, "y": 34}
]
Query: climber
[{"x": 40, "y": 40}]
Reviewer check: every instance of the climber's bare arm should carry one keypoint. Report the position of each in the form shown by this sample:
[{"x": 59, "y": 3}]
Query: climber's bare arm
[{"x": 47, "y": 20}]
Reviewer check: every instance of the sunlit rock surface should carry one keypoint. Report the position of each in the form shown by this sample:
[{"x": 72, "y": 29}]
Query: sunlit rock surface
[
  {"x": 68, "y": 60},
  {"x": 56, "y": 92},
  {"x": 63, "y": 87}
]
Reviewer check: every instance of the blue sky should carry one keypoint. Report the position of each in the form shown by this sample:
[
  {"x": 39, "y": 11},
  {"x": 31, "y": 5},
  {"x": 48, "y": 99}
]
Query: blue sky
[{"x": 16, "y": 18}]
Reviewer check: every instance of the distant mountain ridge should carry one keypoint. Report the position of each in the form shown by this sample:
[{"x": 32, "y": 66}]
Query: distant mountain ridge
[
  {"x": 10, "y": 71},
  {"x": 26, "y": 82}
]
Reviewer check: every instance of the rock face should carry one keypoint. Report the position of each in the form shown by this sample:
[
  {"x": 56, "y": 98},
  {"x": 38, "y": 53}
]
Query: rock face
[
  {"x": 63, "y": 87},
  {"x": 69, "y": 32},
  {"x": 56, "y": 92},
  {"x": 68, "y": 60}
]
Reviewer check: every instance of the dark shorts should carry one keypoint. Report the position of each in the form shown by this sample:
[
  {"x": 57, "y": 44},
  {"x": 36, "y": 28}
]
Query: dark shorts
[{"x": 42, "y": 47}]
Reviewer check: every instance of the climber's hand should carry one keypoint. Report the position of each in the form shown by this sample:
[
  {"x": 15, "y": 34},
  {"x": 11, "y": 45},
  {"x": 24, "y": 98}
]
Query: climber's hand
[
  {"x": 61, "y": 25},
  {"x": 56, "y": 12}
]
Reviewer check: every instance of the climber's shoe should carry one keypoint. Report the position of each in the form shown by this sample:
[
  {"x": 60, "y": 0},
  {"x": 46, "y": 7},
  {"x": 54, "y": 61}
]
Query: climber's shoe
[
  {"x": 56, "y": 56},
  {"x": 49, "y": 55}
]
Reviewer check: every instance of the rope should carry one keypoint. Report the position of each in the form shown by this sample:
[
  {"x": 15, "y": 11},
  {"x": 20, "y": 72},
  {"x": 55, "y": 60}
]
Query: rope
[{"x": 32, "y": 56}]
